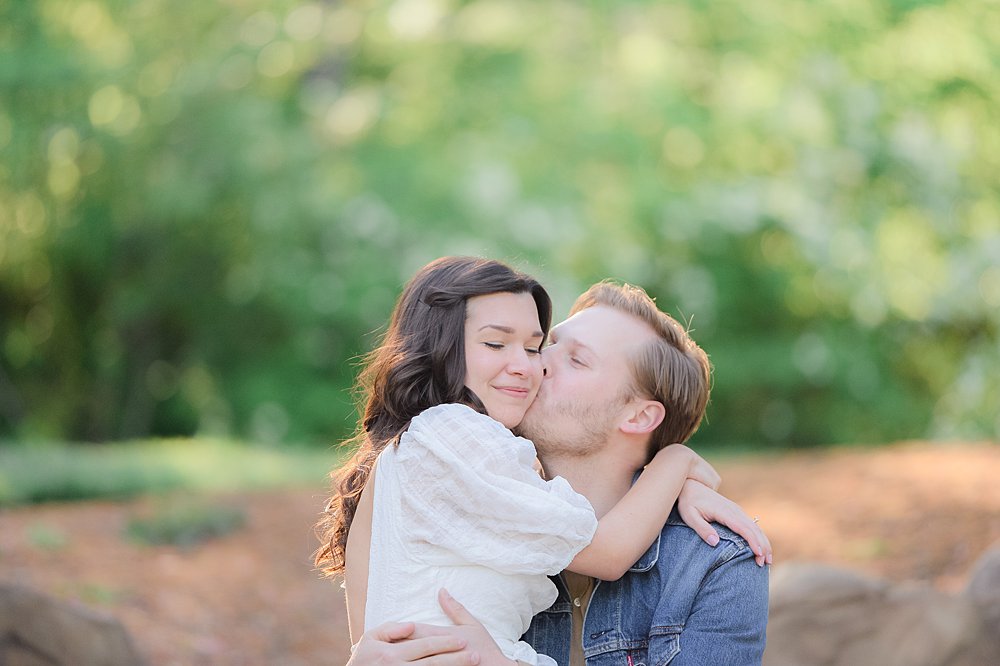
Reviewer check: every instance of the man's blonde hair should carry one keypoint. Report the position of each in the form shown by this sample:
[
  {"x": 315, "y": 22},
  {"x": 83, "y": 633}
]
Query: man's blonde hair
[{"x": 672, "y": 370}]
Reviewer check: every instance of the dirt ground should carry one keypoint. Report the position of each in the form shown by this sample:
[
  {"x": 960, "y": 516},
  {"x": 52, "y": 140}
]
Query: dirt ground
[{"x": 911, "y": 511}]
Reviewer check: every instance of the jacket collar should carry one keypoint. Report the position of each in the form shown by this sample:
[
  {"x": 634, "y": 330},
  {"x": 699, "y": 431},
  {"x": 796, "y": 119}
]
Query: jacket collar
[
  {"x": 649, "y": 558},
  {"x": 652, "y": 554}
]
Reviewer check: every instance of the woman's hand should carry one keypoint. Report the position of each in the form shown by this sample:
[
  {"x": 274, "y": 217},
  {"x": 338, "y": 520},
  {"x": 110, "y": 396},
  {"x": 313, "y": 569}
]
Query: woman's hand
[
  {"x": 699, "y": 506},
  {"x": 397, "y": 643}
]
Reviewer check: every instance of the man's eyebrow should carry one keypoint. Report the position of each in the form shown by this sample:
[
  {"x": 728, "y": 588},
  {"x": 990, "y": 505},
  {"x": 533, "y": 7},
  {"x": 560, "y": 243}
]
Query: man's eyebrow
[
  {"x": 508, "y": 330},
  {"x": 572, "y": 341},
  {"x": 577, "y": 344}
]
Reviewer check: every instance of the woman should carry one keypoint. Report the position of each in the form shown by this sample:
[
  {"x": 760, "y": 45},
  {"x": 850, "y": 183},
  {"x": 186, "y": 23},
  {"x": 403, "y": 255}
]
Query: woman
[{"x": 442, "y": 494}]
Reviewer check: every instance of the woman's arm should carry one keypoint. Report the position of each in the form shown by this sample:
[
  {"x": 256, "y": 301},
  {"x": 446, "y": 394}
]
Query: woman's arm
[{"x": 631, "y": 526}]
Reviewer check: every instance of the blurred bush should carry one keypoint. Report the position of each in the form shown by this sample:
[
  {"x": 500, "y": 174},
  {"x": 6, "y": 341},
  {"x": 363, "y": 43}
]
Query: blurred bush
[
  {"x": 60, "y": 472},
  {"x": 184, "y": 523},
  {"x": 206, "y": 209}
]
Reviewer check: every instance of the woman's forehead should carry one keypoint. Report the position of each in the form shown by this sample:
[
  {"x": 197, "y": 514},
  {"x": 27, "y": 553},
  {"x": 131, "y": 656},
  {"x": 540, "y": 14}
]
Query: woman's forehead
[{"x": 503, "y": 310}]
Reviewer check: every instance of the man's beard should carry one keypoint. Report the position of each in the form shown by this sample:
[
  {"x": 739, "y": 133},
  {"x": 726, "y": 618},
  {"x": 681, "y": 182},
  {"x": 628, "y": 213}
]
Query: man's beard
[{"x": 565, "y": 428}]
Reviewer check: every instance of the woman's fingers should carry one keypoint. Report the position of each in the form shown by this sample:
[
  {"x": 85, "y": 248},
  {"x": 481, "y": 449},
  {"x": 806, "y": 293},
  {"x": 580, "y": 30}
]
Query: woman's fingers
[
  {"x": 699, "y": 506},
  {"x": 758, "y": 541},
  {"x": 763, "y": 545},
  {"x": 766, "y": 543},
  {"x": 702, "y": 527},
  {"x": 735, "y": 519},
  {"x": 749, "y": 531}
]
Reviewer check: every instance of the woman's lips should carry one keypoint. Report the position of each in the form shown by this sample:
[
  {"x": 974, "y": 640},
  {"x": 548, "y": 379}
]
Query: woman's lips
[{"x": 513, "y": 391}]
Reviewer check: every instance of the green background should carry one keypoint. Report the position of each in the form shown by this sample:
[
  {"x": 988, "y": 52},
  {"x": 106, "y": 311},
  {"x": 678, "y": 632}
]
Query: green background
[{"x": 207, "y": 209}]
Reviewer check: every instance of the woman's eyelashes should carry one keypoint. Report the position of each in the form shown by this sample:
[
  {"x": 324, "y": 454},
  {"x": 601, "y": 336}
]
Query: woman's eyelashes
[{"x": 497, "y": 346}]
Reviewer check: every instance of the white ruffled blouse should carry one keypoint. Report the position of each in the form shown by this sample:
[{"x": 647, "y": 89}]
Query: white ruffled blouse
[{"x": 458, "y": 505}]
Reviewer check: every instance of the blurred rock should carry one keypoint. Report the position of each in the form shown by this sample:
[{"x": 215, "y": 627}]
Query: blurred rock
[
  {"x": 984, "y": 587},
  {"x": 38, "y": 630},
  {"x": 806, "y": 601},
  {"x": 825, "y": 616}
]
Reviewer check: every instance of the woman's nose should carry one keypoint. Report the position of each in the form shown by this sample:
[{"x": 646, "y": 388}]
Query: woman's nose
[
  {"x": 524, "y": 363},
  {"x": 519, "y": 363}
]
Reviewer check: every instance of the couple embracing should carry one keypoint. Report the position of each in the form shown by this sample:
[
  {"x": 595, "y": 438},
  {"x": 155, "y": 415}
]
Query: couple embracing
[{"x": 522, "y": 495}]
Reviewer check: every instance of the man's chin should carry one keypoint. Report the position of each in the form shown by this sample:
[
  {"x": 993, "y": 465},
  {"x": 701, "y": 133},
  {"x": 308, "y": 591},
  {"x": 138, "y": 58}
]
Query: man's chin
[{"x": 525, "y": 427}]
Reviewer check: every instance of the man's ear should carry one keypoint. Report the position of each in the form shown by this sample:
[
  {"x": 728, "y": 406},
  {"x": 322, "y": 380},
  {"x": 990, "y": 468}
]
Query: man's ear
[{"x": 644, "y": 417}]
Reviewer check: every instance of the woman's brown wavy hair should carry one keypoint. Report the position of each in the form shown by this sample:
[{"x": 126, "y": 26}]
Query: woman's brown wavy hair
[{"x": 419, "y": 363}]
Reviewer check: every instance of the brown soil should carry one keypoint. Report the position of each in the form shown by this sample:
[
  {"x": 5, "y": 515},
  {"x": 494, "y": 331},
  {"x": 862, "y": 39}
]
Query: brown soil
[{"x": 911, "y": 511}]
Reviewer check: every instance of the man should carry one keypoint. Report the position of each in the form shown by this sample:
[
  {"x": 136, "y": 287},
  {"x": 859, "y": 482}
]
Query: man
[
  {"x": 682, "y": 602},
  {"x": 623, "y": 380}
]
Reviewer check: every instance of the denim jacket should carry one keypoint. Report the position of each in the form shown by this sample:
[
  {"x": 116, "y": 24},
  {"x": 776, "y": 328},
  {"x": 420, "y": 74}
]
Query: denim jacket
[{"x": 683, "y": 603}]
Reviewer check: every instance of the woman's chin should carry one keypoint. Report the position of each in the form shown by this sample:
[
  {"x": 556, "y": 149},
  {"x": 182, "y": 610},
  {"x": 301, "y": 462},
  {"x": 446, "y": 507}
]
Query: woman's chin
[{"x": 509, "y": 418}]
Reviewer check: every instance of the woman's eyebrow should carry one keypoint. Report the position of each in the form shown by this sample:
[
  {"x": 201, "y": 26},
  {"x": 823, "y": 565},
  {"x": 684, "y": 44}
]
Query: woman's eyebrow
[{"x": 508, "y": 330}]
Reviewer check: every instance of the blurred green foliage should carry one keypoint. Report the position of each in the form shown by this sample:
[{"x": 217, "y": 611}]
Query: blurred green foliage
[
  {"x": 206, "y": 209},
  {"x": 64, "y": 472},
  {"x": 184, "y": 523},
  {"x": 45, "y": 537}
]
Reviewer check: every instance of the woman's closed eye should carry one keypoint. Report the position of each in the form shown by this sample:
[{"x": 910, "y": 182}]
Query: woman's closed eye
[{"x": 497, "y": 346}]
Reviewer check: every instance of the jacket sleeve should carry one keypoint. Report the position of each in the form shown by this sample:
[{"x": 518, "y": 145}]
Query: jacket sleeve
[{"x": 728, "y": 620}]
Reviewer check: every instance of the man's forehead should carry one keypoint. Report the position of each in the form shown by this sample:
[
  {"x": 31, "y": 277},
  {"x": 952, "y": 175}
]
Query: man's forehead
[
  {"x": 569, "y": 326},
  {"x": 581, "y": 329},
  {"x": 567, "y": 332},
  {"x": 602, "y": 328}
]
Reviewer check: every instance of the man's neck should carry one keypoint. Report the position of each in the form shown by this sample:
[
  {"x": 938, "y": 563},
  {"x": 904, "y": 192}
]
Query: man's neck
[{"x": 603, "y": 480}]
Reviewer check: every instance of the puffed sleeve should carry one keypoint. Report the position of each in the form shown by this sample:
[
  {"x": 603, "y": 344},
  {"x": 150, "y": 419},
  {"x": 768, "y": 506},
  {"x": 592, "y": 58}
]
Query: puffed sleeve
[{"x": 468, "y": 493}]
